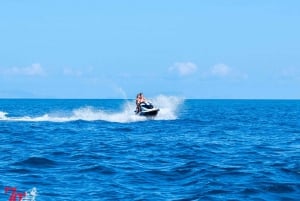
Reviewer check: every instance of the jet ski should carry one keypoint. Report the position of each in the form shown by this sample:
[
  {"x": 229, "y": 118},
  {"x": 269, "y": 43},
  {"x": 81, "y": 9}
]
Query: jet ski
[{"x": 147, "y": 109}]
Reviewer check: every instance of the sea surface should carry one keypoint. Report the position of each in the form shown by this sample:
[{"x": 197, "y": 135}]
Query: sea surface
[{"x": 193, "y": 150}]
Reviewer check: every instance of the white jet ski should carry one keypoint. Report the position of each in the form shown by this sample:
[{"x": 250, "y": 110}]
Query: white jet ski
[{"x": 147, "y": 109}]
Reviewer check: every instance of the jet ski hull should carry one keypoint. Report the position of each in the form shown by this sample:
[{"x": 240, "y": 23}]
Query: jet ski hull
[{"x": 150, "y": 113}]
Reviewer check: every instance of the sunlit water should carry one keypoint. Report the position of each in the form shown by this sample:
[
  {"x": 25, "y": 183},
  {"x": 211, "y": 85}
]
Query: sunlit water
[{"x": 193, "y": 150}]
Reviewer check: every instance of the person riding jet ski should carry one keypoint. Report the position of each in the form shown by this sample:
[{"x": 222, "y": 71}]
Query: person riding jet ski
[{"x": 139, "y": 99}]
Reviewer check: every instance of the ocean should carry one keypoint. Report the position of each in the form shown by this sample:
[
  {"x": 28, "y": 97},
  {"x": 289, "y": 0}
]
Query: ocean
[{"x": 193, "y": 150}]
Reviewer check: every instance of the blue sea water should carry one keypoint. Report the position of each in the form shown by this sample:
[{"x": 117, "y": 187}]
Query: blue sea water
[{"x": 193, "y": 150}]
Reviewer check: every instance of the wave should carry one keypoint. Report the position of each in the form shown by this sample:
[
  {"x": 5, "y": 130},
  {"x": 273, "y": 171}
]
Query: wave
[
  {"x": 168, "y": 106},
  {"x": 36, "y": 162}
]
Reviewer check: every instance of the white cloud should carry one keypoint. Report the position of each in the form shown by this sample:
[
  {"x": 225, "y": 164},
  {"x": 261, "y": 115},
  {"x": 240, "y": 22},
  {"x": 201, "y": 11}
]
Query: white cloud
[
  {"x": 72, "y": 72},
  {"x": 290, "y": 73},
  {"x": 183, "y": 68},
  {"x": 224, "y": 71},
  {"x": 220, "y": 70},
  {"x": 76, "y": 72},
  {"x": 33, "y": 70}
]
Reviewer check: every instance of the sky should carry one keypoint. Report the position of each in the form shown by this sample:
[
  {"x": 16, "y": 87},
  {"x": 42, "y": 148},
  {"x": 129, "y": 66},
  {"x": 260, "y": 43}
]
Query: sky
[{"x": 210, "y": 49}]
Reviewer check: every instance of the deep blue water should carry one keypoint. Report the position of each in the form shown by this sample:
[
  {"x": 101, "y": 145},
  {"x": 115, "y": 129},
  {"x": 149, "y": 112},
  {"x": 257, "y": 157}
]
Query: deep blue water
[{"x": 194, "y": 150}]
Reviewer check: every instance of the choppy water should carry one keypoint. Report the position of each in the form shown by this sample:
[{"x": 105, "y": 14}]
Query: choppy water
[{"x": 193, "y": 150}]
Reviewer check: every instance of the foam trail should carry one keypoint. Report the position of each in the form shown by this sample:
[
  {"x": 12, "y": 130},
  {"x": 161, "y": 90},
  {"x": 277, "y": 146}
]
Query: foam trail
[
  {"x": 168, "y": 111},
  {"x": 85, "y": 114}
]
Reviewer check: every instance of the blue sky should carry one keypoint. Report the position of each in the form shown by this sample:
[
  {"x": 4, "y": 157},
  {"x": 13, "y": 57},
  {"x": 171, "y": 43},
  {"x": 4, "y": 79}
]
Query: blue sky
[{"x": 114, "y": 49}]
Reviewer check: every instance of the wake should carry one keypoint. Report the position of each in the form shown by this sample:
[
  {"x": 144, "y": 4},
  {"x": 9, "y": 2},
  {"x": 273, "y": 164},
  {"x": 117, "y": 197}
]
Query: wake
[{"x": 168, "y": 106}]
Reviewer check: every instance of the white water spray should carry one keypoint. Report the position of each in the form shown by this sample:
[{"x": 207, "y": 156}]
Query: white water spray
[
  {"x": 30, "y": 195},
  {"x": 168, "y": 111}
]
